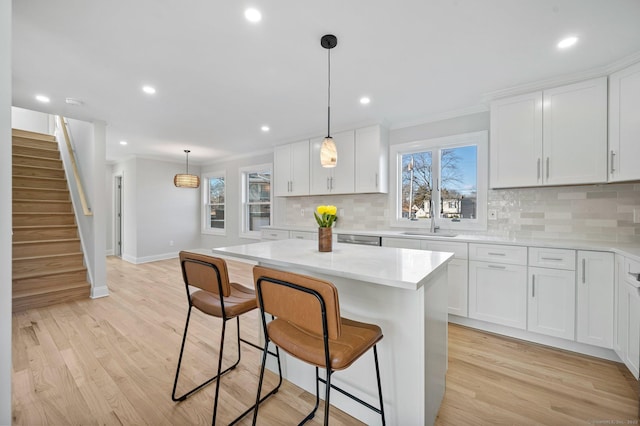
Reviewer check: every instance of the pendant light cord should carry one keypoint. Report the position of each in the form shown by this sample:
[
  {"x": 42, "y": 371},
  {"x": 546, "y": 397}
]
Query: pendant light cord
[{"x": 329, "y": 95}]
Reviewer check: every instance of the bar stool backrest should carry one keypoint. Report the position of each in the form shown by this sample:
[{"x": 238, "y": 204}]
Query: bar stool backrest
[
  {"x": 205, "y": 272},
  {"x": 283, "y": 296}
]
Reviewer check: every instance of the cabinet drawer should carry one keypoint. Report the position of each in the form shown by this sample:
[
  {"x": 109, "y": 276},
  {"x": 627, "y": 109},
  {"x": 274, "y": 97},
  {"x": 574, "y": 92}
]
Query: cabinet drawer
[
  {"x": 274, "y": 234},
  {"x": 632, "y": 271},
  {"x": 552, "y": 258},
  {"x": 512, "y": 255},
  {"x": 303, "y": 235},
  {"x": 458, "y": 249}
]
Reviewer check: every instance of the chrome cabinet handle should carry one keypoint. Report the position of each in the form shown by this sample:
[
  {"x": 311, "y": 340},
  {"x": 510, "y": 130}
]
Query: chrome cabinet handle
[
  {"x": 327, "y": 183},
  {"x": 584, "y": 271},
  {"x": 538, "y": 168},
  {"x": 613, "y": 154},
  {"x": 547, "y": 168},
  {"x": 376, "y": 180},
  {"x": 496, "y": 254},
  {"x": 533, "y": 285},
  {"x": 557, "y": 259},
  {"x": 497, "y": 267}
]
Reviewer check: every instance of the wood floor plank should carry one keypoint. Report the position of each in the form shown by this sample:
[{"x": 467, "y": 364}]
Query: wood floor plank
[{"x": 111, "y": 361}]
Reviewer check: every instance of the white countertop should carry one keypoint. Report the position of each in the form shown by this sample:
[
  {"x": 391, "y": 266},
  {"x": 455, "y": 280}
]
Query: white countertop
[
  {"x": 629, "y": 250},
  {"x": 388, "y": 266}
]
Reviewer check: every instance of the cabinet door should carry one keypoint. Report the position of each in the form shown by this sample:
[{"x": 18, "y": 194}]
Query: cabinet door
[
  {"x": 552, "y": 301},
  {"x": 282, "y": 170},
  {"x": 498, "y": 293},
  {"x": 575, "y": 133},
  {"x": 371, "y": 161},
  {"x": 595, "y": 298},
  {"x": 624, "y": 126},
  {"x": 334, "y": 180},
  {"x": 632, "y": 359},
  {"x": 299, "y": 168},
  {"x": 458, "y": 286},
  {"x": 516, "y": 141}
]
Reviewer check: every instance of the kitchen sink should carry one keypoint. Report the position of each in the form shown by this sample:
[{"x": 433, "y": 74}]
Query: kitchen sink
[{"x": 428, "y": 234}]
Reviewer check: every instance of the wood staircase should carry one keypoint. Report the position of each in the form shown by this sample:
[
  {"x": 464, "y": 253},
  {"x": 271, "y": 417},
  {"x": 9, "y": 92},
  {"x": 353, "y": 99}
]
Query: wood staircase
[{"x": 48, "y": 263}]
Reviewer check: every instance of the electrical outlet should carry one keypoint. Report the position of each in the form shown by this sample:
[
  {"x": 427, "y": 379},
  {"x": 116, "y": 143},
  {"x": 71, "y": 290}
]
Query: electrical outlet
[
  {"x": 493, "y": 214},
  {"x": 636, "y": 215}
]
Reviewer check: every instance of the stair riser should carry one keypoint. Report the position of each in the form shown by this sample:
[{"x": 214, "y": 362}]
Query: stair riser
[
  {"x": 39, "y": 194},
  {"x": 38, "y": 172},
  {"x": 36, "y": 152},
  {"x": 40, "y": 207},
  {"x": 51, "y": 298},
  {"x": 37, "y": 162},
  {"x": 49, "y": 281},
  {"x": 45, "y": 248},
  {"x": 47, "y": 264},
  {"x": 20, "y": 235},
  {"x": 36, "y": 182},
  {"x": 35, "y": 143},
  {"x": 25, "y": 219}
]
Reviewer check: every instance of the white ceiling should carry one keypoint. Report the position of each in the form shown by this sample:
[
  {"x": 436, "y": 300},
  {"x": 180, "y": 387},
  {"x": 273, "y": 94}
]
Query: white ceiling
[{"x": 220, "y": 78}]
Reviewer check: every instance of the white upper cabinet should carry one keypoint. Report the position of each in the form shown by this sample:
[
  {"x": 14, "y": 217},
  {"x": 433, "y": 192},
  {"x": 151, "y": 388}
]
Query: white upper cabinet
[
  {"x": 291, "y": 169},
  {"x": 334, "y": 180},
  {"x": 624, "y": 124},
  {"x": 554, "y": 137},
  {"x": 516, "y": 141},
  {"x": 371, "y": 162}
]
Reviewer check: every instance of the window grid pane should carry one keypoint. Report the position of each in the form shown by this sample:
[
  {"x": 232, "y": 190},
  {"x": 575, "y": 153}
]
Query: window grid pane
[
  {"x": 459, "y": 187},
  {"x": 416, "y": 185}
]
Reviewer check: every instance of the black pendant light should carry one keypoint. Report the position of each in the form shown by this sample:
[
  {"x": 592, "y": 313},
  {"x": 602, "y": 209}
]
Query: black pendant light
[{"x": 328, "y": 151}]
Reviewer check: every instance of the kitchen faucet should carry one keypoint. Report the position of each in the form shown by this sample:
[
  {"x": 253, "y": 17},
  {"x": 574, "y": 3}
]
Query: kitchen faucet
[{"x": 433, "y": 227}]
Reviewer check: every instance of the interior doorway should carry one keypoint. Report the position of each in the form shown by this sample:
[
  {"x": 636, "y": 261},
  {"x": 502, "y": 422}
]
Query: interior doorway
[{"x": 117, "y": 215}]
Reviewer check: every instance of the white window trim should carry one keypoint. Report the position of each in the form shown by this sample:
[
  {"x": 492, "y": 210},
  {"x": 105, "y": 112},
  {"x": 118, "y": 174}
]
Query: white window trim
[
  {"x": 206, "y": 229},
  {"x": 481, "y": 140},
  {"x": 243, "y": 197}
]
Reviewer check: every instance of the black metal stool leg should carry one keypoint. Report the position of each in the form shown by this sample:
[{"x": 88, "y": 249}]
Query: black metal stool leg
[{"x": 375, "y": 357}]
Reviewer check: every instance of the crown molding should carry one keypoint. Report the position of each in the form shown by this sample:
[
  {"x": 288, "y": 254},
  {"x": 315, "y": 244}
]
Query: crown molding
[{"x": 442, "y": 116}]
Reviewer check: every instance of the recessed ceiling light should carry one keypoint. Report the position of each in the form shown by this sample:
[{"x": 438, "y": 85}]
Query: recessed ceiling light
[
  {"x": 264, "y": 128},
  {"x": 123, "y": 142},
  {"x": 567, "y": 42},
  {"x": 253, "y": 15},
  {"x": 43, "y": 98},
  {"x": 149, "y": 90},
  {"x": 365, "y": 100}
]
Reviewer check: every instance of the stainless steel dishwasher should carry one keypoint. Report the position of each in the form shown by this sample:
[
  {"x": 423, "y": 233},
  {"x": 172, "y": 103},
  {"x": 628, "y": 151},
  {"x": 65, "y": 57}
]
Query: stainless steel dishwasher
[{"x": 365, "y": 240}]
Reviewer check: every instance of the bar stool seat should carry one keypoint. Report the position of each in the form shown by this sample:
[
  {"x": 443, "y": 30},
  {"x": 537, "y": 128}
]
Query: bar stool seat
[
  {"x": 241, "y": 300},
  {"x": 355, "y": 339}
]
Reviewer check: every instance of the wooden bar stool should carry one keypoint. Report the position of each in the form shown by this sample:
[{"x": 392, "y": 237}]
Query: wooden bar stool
[
  {"x": 219, "y": 298},
  {"x": 308, "y": 326}
]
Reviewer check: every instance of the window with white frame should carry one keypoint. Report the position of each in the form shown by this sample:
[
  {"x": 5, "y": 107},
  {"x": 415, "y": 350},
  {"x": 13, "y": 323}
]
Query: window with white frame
[
  {"x": 443, "y": 180},
  {"x": 213, "y": 196},
  {"x": 256, "y": 199}
]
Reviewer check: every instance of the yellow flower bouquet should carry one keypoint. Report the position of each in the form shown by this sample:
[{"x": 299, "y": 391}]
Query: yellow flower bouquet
[{"x": 326, "y": 216}]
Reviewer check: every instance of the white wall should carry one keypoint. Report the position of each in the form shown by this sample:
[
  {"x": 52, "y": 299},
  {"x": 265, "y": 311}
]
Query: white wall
[
  {"x": 5, "y": 213},
  {"x": 232, "y": 201},
  {"x": 158, "y": 219},
  {"x": 33, "y": 121}
]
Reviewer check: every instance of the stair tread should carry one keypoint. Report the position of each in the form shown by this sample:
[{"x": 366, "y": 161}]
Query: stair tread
[
  {"x": 44, "y": 256},
  {"x": 51, "y": 289},
  {"x": 40, "y": 201},
  {"x": 29, "y": 227},
  {"x": 38, "y": 167},
  {"x": 37, "y": 177},
  {"x": 28, "y": 134},
  {"x": 57, "y": 240},
  {"x": 14, "y": 154},
  {"x": 21, "y": 188},
  {"x": 48, "y": 272},
  {"x": 43, "y": 213}
]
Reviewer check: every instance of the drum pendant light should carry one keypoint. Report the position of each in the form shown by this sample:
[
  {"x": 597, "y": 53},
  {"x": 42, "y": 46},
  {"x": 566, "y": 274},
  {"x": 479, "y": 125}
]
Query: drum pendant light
[
  {"x": 328, "y": 151},
  {"x": 186, "y": 180}
]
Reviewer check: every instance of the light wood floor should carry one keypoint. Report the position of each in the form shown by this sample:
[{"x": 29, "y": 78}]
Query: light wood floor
[{"x": 112, "y": 361}]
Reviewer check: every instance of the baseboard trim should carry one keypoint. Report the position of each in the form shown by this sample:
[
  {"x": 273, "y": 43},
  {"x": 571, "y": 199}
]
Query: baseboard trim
[{"x": 98, "y": 292}]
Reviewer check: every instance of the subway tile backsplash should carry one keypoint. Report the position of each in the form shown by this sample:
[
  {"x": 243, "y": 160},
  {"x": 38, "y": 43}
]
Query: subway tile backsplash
[{"x": 589, "y": 212}]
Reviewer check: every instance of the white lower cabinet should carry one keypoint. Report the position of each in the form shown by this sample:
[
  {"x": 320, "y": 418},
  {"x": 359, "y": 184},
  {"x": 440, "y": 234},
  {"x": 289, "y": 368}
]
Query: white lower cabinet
[
  {"x": 498, "y": 293},
  {"x": 552, "y": 302},
  {"x": 627, "y": 322},
  {"x": 595, "y": 298},
  {"x": 498, "y": 284},
  {"x": 457, "y": 270}
]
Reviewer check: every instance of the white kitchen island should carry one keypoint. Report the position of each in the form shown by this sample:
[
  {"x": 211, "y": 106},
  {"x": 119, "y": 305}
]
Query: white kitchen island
[{"x": 404, "y": 291}]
